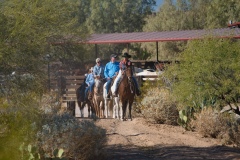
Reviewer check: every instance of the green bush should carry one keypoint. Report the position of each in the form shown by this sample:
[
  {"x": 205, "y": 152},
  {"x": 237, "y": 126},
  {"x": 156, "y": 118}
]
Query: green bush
[{"x": 207, "y": 75}]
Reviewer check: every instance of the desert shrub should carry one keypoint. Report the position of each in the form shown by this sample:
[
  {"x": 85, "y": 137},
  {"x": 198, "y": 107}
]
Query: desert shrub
[
  {"x": 157, "y": 106},
  {"x": 77, "y": 139},
  {"x": 211, "y": 123},
  {"x": 234, "y": 134}
]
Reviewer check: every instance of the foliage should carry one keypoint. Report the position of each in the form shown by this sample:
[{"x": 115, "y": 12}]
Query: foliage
[
  {"x": 77, "y": 139},
  {"x": 208, "y": 74},
  {"x": 28, "y": 29},
  {"x": 156, "y": 104},
  {"x": 114, "y": 16},
  {"x": 188, "y": 15},
  {"x": 19, "y": 122}
]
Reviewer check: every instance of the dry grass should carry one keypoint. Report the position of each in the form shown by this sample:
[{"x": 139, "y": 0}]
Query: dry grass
[
  {"x": 78, "y": 139},
  {"x": 158, "y": 107},
  {"x": 211, "y": 123}
]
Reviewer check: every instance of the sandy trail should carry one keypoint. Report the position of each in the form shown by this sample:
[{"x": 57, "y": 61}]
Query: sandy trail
[{"x": 139, "y": 140}]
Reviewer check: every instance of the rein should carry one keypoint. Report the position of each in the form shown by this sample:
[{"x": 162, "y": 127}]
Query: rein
[{"x": 130, "y": 81}]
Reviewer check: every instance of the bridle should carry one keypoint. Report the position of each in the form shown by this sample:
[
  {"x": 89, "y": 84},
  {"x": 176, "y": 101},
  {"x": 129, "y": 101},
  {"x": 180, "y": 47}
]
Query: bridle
[{"x": 130, "y": 80}]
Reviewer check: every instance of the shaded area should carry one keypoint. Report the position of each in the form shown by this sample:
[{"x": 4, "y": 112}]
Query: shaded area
[{"x": 118, "y": 152}]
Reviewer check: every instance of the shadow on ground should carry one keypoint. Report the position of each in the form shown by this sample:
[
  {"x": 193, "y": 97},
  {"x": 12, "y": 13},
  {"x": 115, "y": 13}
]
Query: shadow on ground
[{"x": 172, "y": 153}]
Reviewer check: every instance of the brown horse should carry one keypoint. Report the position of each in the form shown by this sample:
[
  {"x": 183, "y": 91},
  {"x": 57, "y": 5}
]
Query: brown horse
[
  {"x": 98, "y": 99},
  {"x": 81, "y": 102},
  {"x": 127, "y": 92}
]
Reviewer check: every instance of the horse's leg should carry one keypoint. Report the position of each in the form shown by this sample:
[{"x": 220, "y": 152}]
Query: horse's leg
[
  {"x": 101, "y": 106},
  {"x": 106, "y": 107},
  {"x": 124, "y": 106},
  {"x": 120, "y": 111},
  {"x": 130, "y": 110},
  {"x": 89, "y": 110},
  {"x": 110, "y": 108},
  {"x": 95, "y": 106},
  {"x": 81, "y": 108},
  {"x": 93, "y": 115},
  {"x": 116, "y": 108}
]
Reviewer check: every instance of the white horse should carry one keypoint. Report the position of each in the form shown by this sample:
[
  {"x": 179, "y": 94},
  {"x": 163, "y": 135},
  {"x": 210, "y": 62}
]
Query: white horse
[{"x": 111, "y": 105}]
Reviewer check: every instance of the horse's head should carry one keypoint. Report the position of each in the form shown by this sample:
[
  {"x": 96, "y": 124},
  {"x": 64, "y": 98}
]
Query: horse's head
[
  {"x": 128, "y": 71},
  {"x": 98, "y": 87}
]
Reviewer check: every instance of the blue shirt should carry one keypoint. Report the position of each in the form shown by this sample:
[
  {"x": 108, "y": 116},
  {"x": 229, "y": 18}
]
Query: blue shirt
[
  {"x": 89, "y": 79},
  {"x": 98, "y": 71},
  {"x": 111, "y": 69}
]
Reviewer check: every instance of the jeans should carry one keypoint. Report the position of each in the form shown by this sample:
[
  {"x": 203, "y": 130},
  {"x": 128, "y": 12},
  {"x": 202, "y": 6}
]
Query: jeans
[
  {"x": 109, "y": 81},
  {"x": 135, "y": 81}
]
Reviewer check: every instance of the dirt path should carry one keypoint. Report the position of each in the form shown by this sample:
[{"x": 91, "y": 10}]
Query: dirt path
[{"x": 139, "y": 140}]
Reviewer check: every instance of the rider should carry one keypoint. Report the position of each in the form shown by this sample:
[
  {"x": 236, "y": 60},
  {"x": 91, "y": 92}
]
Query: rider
[
  {"x": 111, "y": 70},
  {"x": 123, "y": 65},
  {"x": 89, "y": 81},
  {"x": 98, "y": 69},
  {"x": 98, "y": 72}
]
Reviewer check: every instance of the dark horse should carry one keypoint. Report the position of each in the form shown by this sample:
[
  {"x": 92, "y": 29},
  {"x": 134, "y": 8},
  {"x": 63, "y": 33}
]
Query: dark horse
[
  {"x": 127, "y": 92},
  {"x": 83, "y": 101}
]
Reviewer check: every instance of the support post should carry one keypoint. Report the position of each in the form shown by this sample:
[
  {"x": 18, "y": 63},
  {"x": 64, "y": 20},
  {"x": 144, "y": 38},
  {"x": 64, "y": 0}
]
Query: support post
[
  {"x": 128, "y": 47},
  {"x": 157, "y": 50},
  {"x": 96, "y": 51},
  {"x": 49, "y": 83}
]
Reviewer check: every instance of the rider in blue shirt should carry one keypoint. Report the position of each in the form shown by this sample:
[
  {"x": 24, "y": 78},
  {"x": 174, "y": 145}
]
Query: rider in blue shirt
[
  {"x": 111, "y": 70},
  {"x": 98, "y": 69},
  {"x": 89, "y": 81}
]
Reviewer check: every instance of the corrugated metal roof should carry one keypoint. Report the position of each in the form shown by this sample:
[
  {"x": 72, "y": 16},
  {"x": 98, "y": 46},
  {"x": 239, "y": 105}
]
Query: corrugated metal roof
[{"x": 162, "y": 36}]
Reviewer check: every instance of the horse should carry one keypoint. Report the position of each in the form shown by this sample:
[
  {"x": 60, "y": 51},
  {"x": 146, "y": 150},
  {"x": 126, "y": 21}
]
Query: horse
[
  {"x": 127, "y": 90},
  {"x": 81, "y": 102},
  {"x": 98, "y": 99},
  {"x": 111, "y": 104}
]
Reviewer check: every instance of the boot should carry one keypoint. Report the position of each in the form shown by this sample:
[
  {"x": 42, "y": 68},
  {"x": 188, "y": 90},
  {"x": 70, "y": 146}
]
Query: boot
[
  {"x": 108, "y": 95},
  {"x": 138, "y": 92}
]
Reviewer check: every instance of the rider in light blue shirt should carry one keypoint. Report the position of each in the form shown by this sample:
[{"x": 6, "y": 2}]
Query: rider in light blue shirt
[
  {"x": 111, "y": 70},
  {"x": 89, "y": 81},
  {"x": 98, "y": 69}
]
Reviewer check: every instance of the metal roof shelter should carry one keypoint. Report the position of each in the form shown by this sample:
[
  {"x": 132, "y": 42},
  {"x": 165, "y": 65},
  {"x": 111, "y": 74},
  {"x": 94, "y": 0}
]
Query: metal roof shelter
[
  {"x": 162, "y": 36},
  {"x": 137, "y": 37},
  {"x": 233, "y": 31}
]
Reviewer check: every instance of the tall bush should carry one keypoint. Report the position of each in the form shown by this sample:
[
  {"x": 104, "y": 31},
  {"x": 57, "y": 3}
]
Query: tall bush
[{"x": 208, "y": 74}]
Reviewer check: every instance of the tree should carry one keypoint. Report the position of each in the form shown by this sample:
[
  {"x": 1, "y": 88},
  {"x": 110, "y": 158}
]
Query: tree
[
  {"x": 26, "y": 30},
  {"x": 220, "y": 12},
  {"x": 29, "y": 28},
  {"x": 208, "y": 74},
  {"x": 114, "y": 16}
]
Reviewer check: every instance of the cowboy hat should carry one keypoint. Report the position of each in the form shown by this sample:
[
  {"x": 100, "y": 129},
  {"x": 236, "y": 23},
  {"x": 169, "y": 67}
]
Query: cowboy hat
[{"x": 126, "y": 55}]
